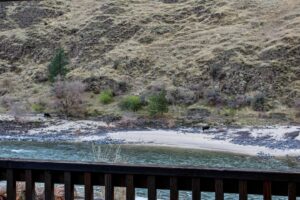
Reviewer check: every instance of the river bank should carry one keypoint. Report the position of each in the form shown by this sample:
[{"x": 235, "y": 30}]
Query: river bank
[{"x": 277, "y": 140}]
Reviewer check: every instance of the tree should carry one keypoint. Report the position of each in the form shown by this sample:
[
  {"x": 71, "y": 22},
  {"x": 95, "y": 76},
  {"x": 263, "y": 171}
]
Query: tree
[
  {"x": 68, "y": 98},
  {"x": 57, "y": 66},
  {"x": 158, "y": 104}
]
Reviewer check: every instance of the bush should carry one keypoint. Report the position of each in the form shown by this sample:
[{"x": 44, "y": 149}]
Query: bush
[
  {"x": 213, "y": 97},
  {"x": 158, "y": 104},
  {"x": 215, "y": 71},
  {"x": 57, "y": 67},
  {"x": 132, "y": 103},
  {"x": 259, "y": 102},
  {"x": 68, "y": 98},
  {"x": 239, "y": 101},
  {"x": 106, "y": 96},
  {"x": 38, "y": 107}
]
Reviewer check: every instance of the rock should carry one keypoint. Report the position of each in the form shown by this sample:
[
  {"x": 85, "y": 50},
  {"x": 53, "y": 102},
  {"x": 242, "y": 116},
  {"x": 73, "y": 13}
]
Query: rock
[
  {"x": 292, "y": 135},
  {"x": 3, "y": 91},
  {"x": 278, "y": 116},
  {"x": 197, "y": 113},
  {"x": 97, "y": 84},
  {"x": 40, "y": 77},
  {"x": 28, "y": 15}
]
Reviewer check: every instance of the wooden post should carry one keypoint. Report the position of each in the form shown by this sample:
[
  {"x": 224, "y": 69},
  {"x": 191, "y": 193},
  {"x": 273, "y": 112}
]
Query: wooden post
[
  {"x": 109, "y": 189},
  {"x": 196, "y": 194},
  {"x": 49, "y": 186},
  {"x": 267, "y": 190},
  {"x": 130, "y": 191},
  {"x": 11, "y": 185},
  {"x": 243, "y": 190},
  {"x": 151, "y": 188},
  {"x": 219, "y": 189},
  {"x": 292, "y": 191},
  {"x": 174, "y": 188},
  {"x": 69, "y": 187},
  {"x": 88, "y": 187},
  {"x": 30, "y": 191}
]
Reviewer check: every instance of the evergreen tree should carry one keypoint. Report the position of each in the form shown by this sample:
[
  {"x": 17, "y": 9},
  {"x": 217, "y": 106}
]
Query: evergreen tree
[{"x": 58, "y": 64}]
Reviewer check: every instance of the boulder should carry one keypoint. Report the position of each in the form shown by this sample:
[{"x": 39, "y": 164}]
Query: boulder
[
  {"x": 292, "y": 135},
  {"x": 97, "y": 84},
  {"x": 40, "y": 77},
  {"x": 197, "y": 113}
]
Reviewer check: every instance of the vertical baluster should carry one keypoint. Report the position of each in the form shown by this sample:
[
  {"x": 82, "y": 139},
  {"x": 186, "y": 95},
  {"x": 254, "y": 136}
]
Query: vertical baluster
[
  {"x": 11, "y": 185},
  {"x": 219, "y": 189},
  {"x": 243, "y": 190},
  {"x": 196, "y": 195},
  {"x": 173, "y": 188},
  {"x": 109, "y": 189},
  {"x": 130, "y": 192},
  {"x": 151, "y": 188},
  {"x": 292, "y": 191},
  {"x": 29, "y": 185},
  {"x": 88, "y": 187},
  {"x": 267, "y": 190},
  {"x": 69, "y": 187},
  {"x": 49, "y": 186}
]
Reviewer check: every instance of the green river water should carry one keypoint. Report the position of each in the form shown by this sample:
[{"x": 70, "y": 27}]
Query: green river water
[{"x": 145, "y": 155}]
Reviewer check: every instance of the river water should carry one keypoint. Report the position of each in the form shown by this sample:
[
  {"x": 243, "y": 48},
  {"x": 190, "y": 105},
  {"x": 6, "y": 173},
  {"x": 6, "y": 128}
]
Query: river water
[{"x": 137, "y": 154}]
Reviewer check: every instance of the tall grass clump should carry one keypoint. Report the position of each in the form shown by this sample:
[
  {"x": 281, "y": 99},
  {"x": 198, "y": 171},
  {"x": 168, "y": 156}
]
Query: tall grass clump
[
  {"x": 106, "y": 97},
  {"x": 158, "y": 104},
  {"x": 107, "y": 153},
  {"x": 131, "y": 103},
  {"x": 57, "y": 66}
]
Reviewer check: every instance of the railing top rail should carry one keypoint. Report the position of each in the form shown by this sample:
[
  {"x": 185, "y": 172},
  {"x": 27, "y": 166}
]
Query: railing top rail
[{"x": 157, "y": 170}]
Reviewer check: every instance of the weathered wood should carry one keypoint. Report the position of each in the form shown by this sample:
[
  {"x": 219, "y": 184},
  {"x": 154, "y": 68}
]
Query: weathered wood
[
  {"x": 130, "y": 191},
  {"x": 196, "y": 194},
  {"x": 11, "y": 185},
  {"x": 174, "y": 194},
  {"x": 292, "y": 191},
  {"x": 243, "y": 194},
  {"x": 267, "y": 190},
  {"x": 151, "y": 188},
  {"x": 109, "y": 188},
  {"x": 30, "y": 190},
  {"x": 88, "y": 187},
  {"x": 219, "y": 189},
  {"x": 151, "y": 170},
  {"x": 220, "y": 181},
  {"x": 69, "y": 187},
  {"x": 49, "y": 186}
]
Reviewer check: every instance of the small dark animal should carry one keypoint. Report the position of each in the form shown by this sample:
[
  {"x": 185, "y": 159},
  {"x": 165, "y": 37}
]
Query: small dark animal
[
  {"x": 47, "y": 115},
  {"x": 205, "y": 128}
]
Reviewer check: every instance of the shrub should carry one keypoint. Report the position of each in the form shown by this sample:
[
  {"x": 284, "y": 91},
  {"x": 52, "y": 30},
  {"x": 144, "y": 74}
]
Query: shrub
[
  {"x": 68, "y": 97},
  {"x": 132, "y": 103},
  {"x": 157, "y": 104},
  {"x": 215, "y": 71},
  {"x": 57, "y": 66},
  {"x": 213, "y": 97},
  {"x": 38, "y": 107},
  {"x": 239, "y": 102},
  {"x": 259, "y": 102},
  {"x": 106, "y": 96}
]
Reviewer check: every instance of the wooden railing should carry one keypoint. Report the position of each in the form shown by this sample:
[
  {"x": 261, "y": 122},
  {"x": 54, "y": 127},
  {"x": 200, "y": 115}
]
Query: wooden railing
[{"x": 197, "y": 180}]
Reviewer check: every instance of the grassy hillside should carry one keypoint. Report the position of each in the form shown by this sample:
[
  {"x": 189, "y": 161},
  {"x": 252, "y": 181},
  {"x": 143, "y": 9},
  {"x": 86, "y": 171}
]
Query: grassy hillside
[{"x": 196, "y": 50}]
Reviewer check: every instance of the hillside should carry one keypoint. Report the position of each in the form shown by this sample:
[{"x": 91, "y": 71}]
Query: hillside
[{"x": 234, "y": 49}]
